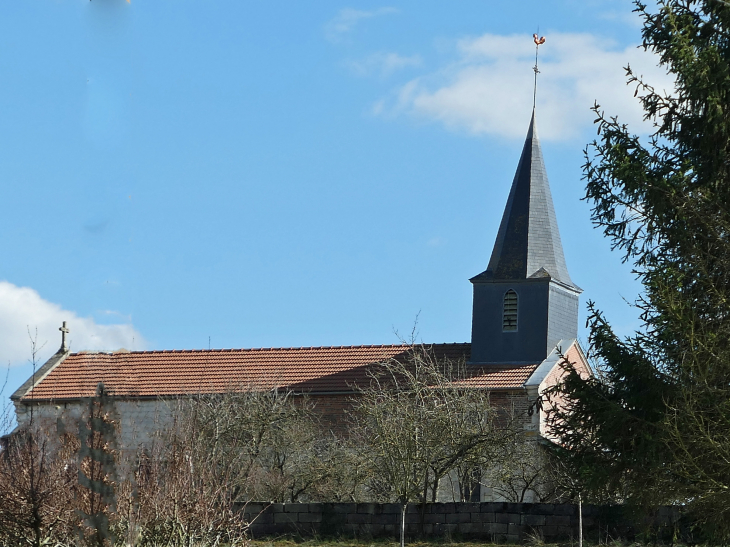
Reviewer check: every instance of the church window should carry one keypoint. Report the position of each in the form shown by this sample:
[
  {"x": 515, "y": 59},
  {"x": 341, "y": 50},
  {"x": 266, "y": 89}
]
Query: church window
[{"x": 509, "y": 316}]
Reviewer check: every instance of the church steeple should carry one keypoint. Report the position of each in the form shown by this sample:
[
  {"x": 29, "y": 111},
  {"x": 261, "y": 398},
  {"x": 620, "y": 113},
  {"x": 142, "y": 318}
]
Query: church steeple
[
  {"x": 528, "y": 239},
  {"x": 525, "y": 301}
]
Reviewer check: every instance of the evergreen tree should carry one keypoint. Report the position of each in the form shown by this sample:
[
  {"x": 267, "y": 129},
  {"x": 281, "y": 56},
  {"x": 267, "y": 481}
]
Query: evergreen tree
[
  {"x": 653, "y": 426},
  {"x": 97, "y": 469}
]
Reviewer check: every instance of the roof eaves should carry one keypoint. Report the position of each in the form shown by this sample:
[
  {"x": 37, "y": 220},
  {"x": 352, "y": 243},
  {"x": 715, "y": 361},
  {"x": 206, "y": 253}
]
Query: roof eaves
[{"x": 561, "y": 348}]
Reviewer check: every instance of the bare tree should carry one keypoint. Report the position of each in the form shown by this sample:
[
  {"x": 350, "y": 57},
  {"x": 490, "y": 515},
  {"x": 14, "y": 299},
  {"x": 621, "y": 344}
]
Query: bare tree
[
  {"x": 185, "y": 490},
  {"x": 292, "y": 457},
  {"x": 348, "y": 471},
  {"x": 419, "y": 421},
  {"x": 36, "y": 487},
  {"x": 275, "y": 446},
  {"x": 522, "y": 471},
  {"x": 37, "y": 476}
]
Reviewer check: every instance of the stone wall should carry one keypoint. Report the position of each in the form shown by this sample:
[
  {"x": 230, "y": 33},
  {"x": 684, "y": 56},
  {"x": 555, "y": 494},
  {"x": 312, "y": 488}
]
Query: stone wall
[
  {"x": 138, "y": 419},
  {"x": 494, "y": 522}
]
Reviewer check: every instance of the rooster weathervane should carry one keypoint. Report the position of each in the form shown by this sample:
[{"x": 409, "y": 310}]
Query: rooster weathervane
[{"x": 538, "y": 42}]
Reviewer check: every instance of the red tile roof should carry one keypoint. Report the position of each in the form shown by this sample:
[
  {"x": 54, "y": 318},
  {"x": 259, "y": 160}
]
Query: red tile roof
[
  {"x": 496, "y": 376},
  {"x": 178, "y": 372}
]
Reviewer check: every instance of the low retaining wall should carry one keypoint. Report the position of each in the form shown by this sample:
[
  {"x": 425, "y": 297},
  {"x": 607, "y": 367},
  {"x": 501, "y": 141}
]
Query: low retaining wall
[{"x": 497, "y": 522}]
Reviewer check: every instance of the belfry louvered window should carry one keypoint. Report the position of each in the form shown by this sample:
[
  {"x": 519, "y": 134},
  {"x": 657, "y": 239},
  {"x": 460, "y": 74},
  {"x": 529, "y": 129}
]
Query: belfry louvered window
[{"x": 509, "y": 316}]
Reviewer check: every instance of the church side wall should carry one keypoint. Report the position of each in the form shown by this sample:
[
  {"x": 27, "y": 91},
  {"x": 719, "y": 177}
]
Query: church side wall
[
  {"x": 139, "y": 420},
  {"x": 511, "y": 405},
  {"x": 335, "y": 410}
]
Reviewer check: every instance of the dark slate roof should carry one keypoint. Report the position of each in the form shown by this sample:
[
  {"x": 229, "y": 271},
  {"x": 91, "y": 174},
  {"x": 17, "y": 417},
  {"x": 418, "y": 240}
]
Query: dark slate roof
[{"x": 528, "y": 242}]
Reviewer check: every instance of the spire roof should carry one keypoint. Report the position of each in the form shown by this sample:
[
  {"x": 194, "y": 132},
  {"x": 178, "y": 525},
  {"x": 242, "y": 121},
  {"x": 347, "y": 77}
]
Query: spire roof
[{"x": 528, "y": 242}]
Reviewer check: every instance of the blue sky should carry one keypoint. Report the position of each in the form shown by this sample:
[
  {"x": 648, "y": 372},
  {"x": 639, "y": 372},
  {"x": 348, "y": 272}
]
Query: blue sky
[{"x": 287, "y": 173}]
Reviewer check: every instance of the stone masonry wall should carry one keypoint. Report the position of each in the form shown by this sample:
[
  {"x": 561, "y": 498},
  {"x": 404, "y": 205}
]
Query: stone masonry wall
[
  {"x": 495, "y": 522},
  {"x": 139, "y": 419}
]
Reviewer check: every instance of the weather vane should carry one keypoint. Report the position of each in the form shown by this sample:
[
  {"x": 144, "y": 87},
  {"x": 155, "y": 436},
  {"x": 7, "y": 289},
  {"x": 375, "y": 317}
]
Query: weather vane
[{"x": 538, "y": 42}]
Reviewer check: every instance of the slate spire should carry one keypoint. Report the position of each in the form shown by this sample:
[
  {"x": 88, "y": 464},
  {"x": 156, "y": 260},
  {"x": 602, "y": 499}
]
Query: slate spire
[
  {"x": 525, "y": 301},
  {"x": 528, "y": 242}
]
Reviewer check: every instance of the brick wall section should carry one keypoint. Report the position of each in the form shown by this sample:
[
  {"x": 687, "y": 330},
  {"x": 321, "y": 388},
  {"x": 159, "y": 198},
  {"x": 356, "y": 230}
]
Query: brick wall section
[
  {"x": 494, "y": 522},
  {"x": 573, "y": 356},
  {"x": 334, "y": 410}
]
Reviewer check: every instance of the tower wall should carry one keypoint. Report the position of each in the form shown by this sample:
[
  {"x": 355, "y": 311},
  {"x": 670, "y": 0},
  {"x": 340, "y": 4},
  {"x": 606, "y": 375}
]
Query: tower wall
[
  {"x": 563, "y": 315},
  {"x": 489, "y": 343},
  {"x": 547, "y": 312}
]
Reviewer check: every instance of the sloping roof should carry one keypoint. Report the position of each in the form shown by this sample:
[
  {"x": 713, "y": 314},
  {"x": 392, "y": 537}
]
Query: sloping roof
[
  {"x": 562, "y": 348},
  {"x": 179, "y": 372},
  {"x": 528, "y": 239},
  {"x": 496, "y": 376}
]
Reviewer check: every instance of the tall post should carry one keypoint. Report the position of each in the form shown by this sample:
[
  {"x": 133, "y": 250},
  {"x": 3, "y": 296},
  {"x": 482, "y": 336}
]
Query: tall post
[
  {"x": 403, "y": 524},
  {"x": 580, "y": 520}
]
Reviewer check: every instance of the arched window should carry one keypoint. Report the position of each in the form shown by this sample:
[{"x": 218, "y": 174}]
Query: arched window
[{"x": 509, "y": 315}]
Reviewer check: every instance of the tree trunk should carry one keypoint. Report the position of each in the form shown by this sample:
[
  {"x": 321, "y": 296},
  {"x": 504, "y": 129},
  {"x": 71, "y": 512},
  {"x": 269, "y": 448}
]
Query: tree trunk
[
  {"x": 403, "y": 524},
  {"x": 580, "y": 520},
  {"x": 422, "y": 509}
]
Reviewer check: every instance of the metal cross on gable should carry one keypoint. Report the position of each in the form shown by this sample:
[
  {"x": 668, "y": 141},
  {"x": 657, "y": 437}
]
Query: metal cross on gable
[{"x": 64, "y": 331}]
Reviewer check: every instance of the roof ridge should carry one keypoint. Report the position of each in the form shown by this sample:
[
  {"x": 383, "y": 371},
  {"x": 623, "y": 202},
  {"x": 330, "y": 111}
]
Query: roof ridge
[
  {"x": 272, "y": 348},
  {"x": 226, "y": 350}
]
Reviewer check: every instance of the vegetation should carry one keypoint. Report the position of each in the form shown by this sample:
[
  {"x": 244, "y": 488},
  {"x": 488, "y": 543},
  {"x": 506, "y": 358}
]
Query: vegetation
[
  {"x": 36, "y": 489},
  {"x": 653, "y": 426},
  {"x": 348, "y": 542},
  {"x": 97, "y": 476},
  {"x": 415, "y": 426},
  {"x": 436, "y": 542},
  {"x": 410, "y": 428}
]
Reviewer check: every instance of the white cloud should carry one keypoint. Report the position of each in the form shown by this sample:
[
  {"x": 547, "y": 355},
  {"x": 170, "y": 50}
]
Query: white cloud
[
  {"x": 488, "y": 89},
  {"x": 383, "y": 64},
  {"x": 336, "y": 29},
  {"x": 22, "y": 308}
]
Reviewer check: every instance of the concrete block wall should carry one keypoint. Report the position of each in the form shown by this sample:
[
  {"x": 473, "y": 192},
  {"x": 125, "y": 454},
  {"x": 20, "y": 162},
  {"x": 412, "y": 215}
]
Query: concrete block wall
[
  {"x": 494, "y": 522},
  {"x": 139, "y": 419}
]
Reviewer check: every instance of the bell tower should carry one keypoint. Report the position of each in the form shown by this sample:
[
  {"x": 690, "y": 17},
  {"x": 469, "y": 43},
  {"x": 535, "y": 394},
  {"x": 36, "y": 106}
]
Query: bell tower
[{"x": 525, "y": 301}]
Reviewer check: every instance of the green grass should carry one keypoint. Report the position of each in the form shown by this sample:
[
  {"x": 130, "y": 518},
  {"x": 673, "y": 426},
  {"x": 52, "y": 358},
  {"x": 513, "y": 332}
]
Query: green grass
[
  {"x": 289, "y": 542},
  {"x": 436, "y": 542}
]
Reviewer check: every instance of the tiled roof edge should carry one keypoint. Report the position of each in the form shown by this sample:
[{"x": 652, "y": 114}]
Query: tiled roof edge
[
  {"x": 35, "y": 379},
  {"x": 175, "y": 396},
  {"x": 505, "y": 365}
]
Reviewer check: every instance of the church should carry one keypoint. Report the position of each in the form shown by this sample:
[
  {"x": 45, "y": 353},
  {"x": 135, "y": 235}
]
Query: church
[{"x": 524, "y": 322}]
